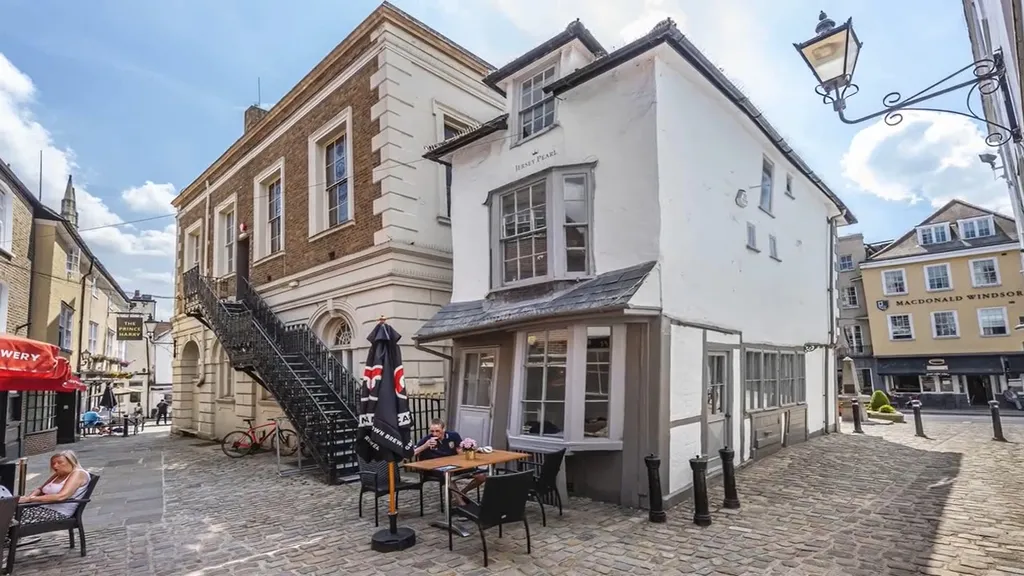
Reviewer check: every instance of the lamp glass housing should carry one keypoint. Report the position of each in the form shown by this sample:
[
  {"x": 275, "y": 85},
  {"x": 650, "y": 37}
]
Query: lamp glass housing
[{"x": 832, "y": 55}]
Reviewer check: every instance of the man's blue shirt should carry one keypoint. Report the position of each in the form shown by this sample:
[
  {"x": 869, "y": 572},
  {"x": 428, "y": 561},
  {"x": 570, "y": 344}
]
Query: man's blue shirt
[{"x": 447, "y": 446}]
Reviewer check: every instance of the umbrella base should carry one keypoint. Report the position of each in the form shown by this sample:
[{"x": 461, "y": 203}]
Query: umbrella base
[{"x": 387, "y": 541}]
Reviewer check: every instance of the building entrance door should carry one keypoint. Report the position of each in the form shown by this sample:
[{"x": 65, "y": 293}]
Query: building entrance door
[
  {"x": 476, "y": 395},
  {"x": 717, "y": 407},
  {"x": 979, "y": 391}
]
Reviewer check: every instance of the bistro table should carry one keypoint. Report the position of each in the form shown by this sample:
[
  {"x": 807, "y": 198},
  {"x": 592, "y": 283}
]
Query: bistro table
[{"x": 449, "y": 465}]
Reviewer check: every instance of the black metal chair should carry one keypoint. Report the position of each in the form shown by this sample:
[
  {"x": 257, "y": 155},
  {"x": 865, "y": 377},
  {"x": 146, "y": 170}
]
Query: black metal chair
[
  {"x": 545, "y": 480},
  {"x": 503, "y": 502},
  {"x": 19, "y": 529},
  {"x": 373, "y": 479},
  {"x": 8, "y": 509}
]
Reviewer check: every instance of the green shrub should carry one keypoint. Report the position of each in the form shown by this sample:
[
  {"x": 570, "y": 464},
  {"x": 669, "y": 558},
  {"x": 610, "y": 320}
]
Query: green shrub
[
  {"x": 886, "y": 409},
  {"x": 878, "y": 399}
]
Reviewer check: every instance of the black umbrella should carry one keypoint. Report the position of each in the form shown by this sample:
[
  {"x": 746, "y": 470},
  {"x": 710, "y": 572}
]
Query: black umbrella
[
  {"x": 385, "y": 423},
  {"x": 108, "y": 400}
]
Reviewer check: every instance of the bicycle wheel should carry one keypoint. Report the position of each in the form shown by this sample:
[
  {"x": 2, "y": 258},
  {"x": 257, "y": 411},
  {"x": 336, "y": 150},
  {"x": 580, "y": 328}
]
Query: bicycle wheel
[
  {"x": 237, "y": 444},
  {"x": 287, "y": 440}
]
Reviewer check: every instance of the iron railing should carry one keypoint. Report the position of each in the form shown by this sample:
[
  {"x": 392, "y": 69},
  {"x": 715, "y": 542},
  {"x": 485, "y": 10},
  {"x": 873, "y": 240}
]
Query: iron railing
[
  {"x": 425, "y": 406},
  {"x": 247, "y": 342},
  {"x": 300, "y": 339}
]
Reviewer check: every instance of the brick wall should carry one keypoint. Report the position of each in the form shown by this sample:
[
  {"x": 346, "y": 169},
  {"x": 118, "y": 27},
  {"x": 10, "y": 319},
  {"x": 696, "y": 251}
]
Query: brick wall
[{"x": 15, "y": 271}]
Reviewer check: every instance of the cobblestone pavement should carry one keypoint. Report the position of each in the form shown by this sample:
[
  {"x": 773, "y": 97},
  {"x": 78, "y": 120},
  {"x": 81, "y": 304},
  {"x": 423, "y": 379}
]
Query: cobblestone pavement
[{"x": 882, "y": 503}]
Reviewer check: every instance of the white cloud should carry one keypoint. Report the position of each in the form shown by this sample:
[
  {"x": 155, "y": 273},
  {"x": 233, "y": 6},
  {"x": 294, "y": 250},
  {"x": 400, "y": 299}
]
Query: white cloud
[
  {"x": 154, "y": 277},
  {"x": 927, "y": 158},
  {"x": 23, "y": 139},
  {"x": 150, "y": 198}
]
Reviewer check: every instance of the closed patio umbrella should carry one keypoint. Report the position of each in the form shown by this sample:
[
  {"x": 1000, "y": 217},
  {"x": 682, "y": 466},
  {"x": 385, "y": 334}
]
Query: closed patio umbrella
[
  {"x": 385, "y": 423},
  {"x": 108, "y": 400}
]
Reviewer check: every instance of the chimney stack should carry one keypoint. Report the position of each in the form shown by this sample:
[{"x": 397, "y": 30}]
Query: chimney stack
[{"x": 253, "y": 115}]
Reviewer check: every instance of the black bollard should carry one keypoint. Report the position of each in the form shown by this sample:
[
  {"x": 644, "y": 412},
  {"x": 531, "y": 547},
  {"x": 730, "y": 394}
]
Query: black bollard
[
  {"x": 732, "y": 499},
  {"x": 918, "y": 423},
  {"x": 857, "y": 424},
  {"x": 657, "y": 505},
  {"x": 125, "y": 431},
  {"x": 701, "y": 507},
  {"x": 997, "y": 424}
]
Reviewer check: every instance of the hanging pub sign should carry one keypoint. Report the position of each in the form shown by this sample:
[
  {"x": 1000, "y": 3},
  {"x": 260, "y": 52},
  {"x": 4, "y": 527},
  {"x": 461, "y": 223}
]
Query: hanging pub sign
[{"x": 129, "y": 328}]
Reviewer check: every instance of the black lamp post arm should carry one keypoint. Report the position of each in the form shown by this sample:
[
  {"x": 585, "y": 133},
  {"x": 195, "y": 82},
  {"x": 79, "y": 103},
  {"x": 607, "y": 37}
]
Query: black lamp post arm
[{"x": 989, "y": 77}]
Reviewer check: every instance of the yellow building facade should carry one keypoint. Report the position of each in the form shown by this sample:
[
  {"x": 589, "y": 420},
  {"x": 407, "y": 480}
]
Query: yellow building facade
[{"x": 943, "y": 304}]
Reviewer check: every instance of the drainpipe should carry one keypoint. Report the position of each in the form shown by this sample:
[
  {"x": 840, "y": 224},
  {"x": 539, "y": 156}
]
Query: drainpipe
[
  {"x": 81, "y": 316},
  {"x": 449, "y": 408},
  {"x": 31, "y": 278},
  {"x": 831, "y": 316}
]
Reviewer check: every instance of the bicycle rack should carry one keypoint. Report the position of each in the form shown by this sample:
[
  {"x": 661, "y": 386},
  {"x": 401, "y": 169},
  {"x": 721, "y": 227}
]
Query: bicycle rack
[{"x": 284, "y": 470}]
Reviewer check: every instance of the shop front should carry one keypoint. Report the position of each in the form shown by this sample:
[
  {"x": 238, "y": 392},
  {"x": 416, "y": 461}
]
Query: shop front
[{"x": 952, "y": 381}]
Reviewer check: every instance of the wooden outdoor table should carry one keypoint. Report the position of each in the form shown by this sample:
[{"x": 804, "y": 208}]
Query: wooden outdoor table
[{"x": 459, "y": 463}]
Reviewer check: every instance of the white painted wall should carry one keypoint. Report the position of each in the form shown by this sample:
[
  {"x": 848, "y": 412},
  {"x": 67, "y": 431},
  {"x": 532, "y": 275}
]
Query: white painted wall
[
  {"x": 610, "y": 121},
  {"x": 163, "y": 350},
  {"x": 684, "y": 443},
  {"x": 687, "y": 377}
]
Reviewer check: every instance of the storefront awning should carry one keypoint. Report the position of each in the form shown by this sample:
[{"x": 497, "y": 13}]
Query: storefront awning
[
  {"x": 32, "y": 366},
  {"x": 979, "y": 364}
]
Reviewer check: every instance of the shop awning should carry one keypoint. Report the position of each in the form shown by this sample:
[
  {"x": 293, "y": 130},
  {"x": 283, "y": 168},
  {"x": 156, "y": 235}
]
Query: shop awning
[
  {"x": 980, "y": 364},
  {"x": 33, "y": 366}
]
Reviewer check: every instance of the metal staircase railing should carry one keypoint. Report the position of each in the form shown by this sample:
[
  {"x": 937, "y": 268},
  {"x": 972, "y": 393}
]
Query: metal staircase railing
[
  {"x": 248, "y": 343},
  {"x": 300, "y": 339}
]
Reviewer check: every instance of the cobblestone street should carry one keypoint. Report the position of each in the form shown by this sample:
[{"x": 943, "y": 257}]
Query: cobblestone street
[{"x": 885, "y": 503}]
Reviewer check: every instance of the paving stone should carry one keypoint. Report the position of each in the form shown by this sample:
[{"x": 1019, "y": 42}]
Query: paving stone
[{"x": 884, "y": 503}]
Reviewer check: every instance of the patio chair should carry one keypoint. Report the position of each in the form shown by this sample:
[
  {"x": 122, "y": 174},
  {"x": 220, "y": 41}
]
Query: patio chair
[
  {"x": 373, "y": 479},
  {"x": 19, "y": 530},
  {"x": 545, "y": 480},
  {"x": 503, "y": 502},
  {"x": 8, "y": 508}
]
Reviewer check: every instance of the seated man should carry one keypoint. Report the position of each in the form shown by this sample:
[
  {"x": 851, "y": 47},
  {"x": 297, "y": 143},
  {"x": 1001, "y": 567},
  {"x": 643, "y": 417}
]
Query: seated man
[
  {"x": 91, "y": 419},
  {"x": 440, "y": 443}
]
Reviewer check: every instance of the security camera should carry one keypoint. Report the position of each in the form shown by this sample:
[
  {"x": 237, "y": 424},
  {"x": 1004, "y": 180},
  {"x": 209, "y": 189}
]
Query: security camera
[{"x": 989, "y": 159}]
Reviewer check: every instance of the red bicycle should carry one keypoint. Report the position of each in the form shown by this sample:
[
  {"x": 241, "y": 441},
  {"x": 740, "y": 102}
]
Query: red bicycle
[{"x": 243, "y": 443}]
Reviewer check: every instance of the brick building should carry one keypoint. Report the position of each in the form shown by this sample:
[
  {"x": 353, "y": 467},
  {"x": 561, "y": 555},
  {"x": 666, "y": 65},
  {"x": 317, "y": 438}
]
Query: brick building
[{"x": 342, "y": 220}]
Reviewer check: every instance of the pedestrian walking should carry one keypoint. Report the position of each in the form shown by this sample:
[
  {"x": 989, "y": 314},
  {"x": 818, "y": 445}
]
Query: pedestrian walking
[{"x": 161, "y": 412}]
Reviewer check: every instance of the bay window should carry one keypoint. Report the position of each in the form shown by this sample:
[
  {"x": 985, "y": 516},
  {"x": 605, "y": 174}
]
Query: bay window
[
  {"x": 541, "y": 228},
  {"x": 568, "y": 388},
  {"x": 775, "y": 378}
]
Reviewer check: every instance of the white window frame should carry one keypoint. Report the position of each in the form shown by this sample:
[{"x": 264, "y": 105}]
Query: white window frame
[
  {"x": 752, "y": 236},
  {"x": 5, "y": 297},
  {"x": 555, "y": 223},
  {"x": 110, "y": 345},
  {"x": 949, "y": 277},
  {"x": 194, "y": 252},
  {"x": 229, "y": 205},
  {"x": 956, "y": 324},
  {"x": 846, "y": 303},
  {"x": 446, "y": 116},
  {"x": 6, "y": 219},
  {"x": 789, "y": 185},
  {"x": 66, "y": 327},
  {"x": 340, "y": 125},
  {"x": 885, "y": 288},
  {"x": 932, "y": 227},
  {"x": 93, "y": 341},
  {"x": 575, "y": 393},
  {"x": 910, "y": 319},
  {"x": 530, "y": 74},
  {"x": 1006, "y": 322},
  {"x": 94, "y": 288},
  {"x": 122, "y": 349},
  {"x": 766, "y": 194},
  {"x": 974, "y": 279},
  {"x": 855, "y": 344},
  {"x": 261, "y": 210},
  {"x": 966, "y": 223},
  {"x": 73, "y": 262},
  {"x": 849, "y": 268},
  {"x": 773, "y": 247}
]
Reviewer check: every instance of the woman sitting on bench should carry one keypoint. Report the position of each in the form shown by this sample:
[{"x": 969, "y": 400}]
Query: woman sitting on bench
[{"x": 69, "y": 481}]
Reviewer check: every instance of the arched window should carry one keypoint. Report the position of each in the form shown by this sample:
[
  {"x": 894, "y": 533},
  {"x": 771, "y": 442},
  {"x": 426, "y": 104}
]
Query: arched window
[
  {"x": 226, "y": 377},
  {"x": 342, "y": 335},
  {"x": 340, "y": 338}
]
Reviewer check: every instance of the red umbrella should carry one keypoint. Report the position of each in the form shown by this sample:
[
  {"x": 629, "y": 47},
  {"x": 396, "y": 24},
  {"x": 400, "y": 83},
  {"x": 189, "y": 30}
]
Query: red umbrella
[{"x": 29, "y": 365}]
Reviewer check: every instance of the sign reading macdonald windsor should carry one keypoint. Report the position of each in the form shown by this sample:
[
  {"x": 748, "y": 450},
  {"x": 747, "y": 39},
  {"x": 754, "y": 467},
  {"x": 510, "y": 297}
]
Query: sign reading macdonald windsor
[
  {"x": 979, "y": 296},
  {"x": 129, "y": 328}
]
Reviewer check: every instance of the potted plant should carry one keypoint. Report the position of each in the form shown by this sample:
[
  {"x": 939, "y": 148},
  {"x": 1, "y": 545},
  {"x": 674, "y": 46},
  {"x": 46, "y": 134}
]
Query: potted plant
[{"x": 469, "y": 448}]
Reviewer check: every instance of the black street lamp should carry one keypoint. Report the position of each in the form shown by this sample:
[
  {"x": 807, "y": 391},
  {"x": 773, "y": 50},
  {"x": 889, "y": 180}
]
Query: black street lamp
[{"x": 832, "y": 56}]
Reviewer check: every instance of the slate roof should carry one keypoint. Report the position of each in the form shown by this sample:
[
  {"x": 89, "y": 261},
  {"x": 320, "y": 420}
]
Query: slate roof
[
  {"x": 574, "y": 31},
  {"x": 438, "y": 150},
  {"x": 906, "y": 245},
  {"x": 605, "y": 292}
]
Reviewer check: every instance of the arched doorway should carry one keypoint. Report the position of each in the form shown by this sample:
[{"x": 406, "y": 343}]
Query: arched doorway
[{"x": 188, "y": 370}]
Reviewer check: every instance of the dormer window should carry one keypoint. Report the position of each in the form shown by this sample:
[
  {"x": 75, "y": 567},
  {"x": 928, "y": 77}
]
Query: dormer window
[
  {"x": 981, "y": 227},
  {"x": 933, "y": 234},
  {"x": 536, "y": 109}
]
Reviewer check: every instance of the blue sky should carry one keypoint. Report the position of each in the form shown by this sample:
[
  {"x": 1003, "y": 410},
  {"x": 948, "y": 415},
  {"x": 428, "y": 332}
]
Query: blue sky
[{"x": 137, "y": 98}]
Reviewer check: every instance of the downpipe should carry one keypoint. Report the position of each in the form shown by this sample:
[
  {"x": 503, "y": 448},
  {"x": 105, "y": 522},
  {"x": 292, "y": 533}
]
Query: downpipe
[{"x": 831, "y": 301}]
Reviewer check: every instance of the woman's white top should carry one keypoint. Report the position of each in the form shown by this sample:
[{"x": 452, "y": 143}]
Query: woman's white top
[{"x": 56, "y": 487}]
